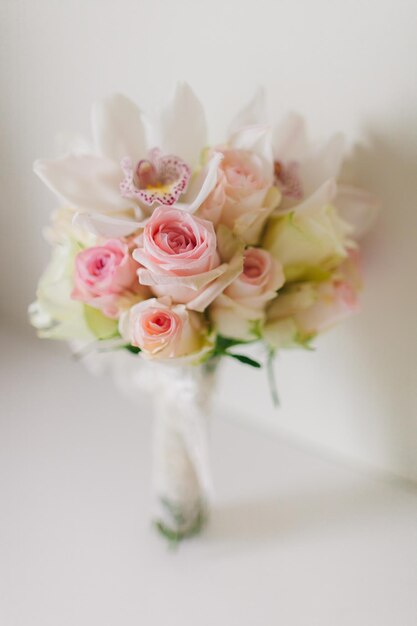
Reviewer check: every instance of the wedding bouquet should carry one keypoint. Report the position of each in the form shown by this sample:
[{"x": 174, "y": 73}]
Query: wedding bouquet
[{"x": 180, "y": 253}]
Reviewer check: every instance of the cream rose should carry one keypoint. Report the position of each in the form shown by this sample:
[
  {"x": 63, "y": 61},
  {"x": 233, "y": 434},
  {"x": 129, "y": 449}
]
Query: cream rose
[
  {"x": 303, "y": 310},
  {"x": 310, "y": 240}
]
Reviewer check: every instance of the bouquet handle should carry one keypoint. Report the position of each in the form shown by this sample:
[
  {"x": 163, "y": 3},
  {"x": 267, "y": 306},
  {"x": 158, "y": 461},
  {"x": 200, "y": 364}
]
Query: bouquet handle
[{"x": 181, "y": 472}]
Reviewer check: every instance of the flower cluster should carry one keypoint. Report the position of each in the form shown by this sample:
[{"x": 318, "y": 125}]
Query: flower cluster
[{"x": 180, "y": 251}]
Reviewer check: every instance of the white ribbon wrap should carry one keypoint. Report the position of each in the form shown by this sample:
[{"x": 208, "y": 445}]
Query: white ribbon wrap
[
  {"x": 182, "y": 479},
  {"x": 182, "y": 394}
]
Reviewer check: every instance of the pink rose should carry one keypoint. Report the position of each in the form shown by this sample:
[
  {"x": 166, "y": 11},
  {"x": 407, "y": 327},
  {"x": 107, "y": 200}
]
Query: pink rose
[
  {"x": 247, "y": 178},
  {"x": 105, "y": 277},
  {"x": 243, "y": 302},
  {"x": 179, "y": 257},
  {"x": 162, "y": 330},
  {"x": 261, "y": 278}
]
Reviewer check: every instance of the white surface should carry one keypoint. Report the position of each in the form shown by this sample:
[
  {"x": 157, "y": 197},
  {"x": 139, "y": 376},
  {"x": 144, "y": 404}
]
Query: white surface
[
  {"x": 348, "y": 66},
  {"x": 294, "y": 539}
]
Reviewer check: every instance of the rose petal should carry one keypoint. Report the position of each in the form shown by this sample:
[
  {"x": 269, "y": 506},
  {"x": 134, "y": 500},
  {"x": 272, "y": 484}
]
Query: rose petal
[
  {"x": 196, "y": 282},
  {"x": 84, "y": 181},
  {"x": 234, "y": 268},
  {"x": 280, "y": 333},
  {"x": 118, "y": 129},
  {"x": 232, "y": 320}
]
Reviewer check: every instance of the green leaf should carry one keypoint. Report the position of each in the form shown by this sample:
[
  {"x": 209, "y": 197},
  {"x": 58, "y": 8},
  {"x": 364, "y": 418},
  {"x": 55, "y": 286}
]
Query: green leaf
[
  {"x": 244, "y": 359},
  {"x": 133, "y": 349},
  {"x": 224, "y": 343}
]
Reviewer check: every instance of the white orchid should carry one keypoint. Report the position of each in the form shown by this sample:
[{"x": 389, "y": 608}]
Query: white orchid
[
  {"x": 303, "y": 169},
  {"x": 133, "y": 166}
]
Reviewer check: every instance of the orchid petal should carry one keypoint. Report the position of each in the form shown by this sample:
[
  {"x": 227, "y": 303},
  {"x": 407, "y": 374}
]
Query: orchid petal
[
  {"x": 253, "y": 113},
  {"x": 357, "y": 207},
  {"x": 183, "y": 125},
  {"x": 84, "y": 181},
  {"x": 118, "y": 129},
  {"x": 254, "y": 138},
  {"x": 290, "y": 139},
  {"x": 106, "y": 226},
  {"x": 322, "y": 164},
  {"x": 72, "y": 142},
  {"x": 201, "y": 185},
  {"x": 322, "y": 196}
]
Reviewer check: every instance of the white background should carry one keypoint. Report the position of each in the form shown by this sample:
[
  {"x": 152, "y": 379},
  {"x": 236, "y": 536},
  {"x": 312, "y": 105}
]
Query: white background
[{"x": 346, "y": 65}]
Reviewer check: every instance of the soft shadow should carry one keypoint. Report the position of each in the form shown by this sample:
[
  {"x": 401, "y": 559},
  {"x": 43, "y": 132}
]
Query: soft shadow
[
  {"x": 260, "y": 520},
  {"x": 386, "y": 337}
]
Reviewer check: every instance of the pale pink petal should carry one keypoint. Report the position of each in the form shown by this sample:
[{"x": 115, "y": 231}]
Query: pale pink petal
[
  {"x": 357, "y": 207},
  {"x": 195, "y": 282},
  {"x": 253, "y": 113},
  {"x": 85, "y": 182},
  {"x": 118, "y": 129},
  {"x": 202, "y": 301},
  {"x": 183, "y": 126}
]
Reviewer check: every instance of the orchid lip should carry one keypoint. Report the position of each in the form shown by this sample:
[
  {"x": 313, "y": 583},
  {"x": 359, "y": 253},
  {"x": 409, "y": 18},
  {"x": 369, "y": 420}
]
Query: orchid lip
[
  {"x": 160, "y": 178},
  {"x": 287, "y": 179}
]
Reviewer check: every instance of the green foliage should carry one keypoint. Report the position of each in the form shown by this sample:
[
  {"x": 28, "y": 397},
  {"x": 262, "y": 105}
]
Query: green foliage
[
  {"x": 132, "y": 349},
  {"x": 223, "y": 345},
  {"x": 245, "y": 359}
]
